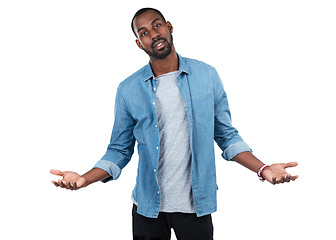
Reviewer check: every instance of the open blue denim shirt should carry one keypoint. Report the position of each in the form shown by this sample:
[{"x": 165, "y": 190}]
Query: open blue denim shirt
[{"x": 136, "y": 120}]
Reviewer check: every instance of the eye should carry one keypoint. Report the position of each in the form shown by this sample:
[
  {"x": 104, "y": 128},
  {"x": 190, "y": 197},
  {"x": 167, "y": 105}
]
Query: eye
[
  {"x": 157, "y": 25},
  {"x": 143, "y": 33}
]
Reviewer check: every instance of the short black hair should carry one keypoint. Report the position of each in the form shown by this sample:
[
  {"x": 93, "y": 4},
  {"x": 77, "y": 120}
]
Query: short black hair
[{"x": 143, "y": 10}]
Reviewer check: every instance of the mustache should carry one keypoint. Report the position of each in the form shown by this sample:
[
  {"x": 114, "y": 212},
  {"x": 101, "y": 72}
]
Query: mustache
[{"x": 158, "y": 39}]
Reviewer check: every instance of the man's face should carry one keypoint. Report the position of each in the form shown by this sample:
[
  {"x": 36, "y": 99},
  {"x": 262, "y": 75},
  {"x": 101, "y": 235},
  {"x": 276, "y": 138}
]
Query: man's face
[{"x": 154, "y": 35}]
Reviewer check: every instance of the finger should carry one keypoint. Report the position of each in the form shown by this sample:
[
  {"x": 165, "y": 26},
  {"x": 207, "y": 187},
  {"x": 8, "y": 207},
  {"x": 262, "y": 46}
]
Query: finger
[
  {"x": 74, "y": 185},
  {"x": 276, "y": 180},
  {"x": 293, "y": 178},
  {"x": 68, "y": 185},
  {"x": 291, "y": 164},
  {"x": 282, "y": 179},
  {"x": 60, "y": 183},
  {"x": 56, "y": 172},
  {"x": 55, "y": 183},
  {"x": 288, "y": 178}
]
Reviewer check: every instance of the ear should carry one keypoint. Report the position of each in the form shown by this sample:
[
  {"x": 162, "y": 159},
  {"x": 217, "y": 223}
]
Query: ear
[
  {"x": 170, "y": 27},
  {"x": 139, "y": 44}
]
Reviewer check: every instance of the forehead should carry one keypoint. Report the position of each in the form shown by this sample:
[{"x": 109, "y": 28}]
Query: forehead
[{"x": 145, "y": 19}]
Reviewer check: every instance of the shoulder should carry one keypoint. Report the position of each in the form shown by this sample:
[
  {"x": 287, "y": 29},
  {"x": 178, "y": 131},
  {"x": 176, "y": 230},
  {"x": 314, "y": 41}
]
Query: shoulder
[
  {"x": 138, "y": 75},
  {"x": 134, "y": 81},
  {"x": 195, "y": 65}
]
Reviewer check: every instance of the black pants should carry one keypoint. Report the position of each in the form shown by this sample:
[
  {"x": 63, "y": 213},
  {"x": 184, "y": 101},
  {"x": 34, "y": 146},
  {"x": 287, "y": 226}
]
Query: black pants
[{"x": 187, "y": 226}]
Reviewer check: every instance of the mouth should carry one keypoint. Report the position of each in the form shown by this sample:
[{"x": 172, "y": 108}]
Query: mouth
[{"x": 158, "y": 44}]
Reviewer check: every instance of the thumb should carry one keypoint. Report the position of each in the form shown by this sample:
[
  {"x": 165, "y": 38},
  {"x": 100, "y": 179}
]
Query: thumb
[
  {"x": 56, "y": 172},
  {"x": 291, "y": 164}
]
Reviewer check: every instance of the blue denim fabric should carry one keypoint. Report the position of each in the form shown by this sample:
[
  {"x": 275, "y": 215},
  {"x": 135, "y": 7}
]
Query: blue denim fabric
[{"x": 135, "y": 120}]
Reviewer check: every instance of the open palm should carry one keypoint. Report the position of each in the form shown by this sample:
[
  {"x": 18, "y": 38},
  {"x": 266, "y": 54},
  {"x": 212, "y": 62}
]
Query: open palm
[
  {"x": 276, "y": 173},
  {"x": 71, "y": 180}
]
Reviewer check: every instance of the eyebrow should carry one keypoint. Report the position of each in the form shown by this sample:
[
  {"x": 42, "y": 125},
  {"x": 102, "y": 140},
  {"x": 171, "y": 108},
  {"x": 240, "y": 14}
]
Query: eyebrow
[{"x": 151, "y": 24}]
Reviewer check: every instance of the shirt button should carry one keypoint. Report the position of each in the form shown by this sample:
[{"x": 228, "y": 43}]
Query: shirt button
[
  {"x": 158, "y": 192},
  {"x": 157, "y": 147},
  {"x": 153, "y": 103},
  {"x": 155, "y": 125},
  {"x": 154, "y": 88},
  {"x": 154, "y": 170}
]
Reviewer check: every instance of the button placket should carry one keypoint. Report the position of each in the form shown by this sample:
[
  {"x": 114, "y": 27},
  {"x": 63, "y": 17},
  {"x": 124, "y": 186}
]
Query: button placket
[
  {"x": 155, "y": 85},
  {"x": 154, "y": 103}
]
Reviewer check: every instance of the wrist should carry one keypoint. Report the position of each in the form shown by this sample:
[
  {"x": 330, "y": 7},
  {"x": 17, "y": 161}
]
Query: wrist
[
  {"x": 85, "y": 181},
  {"x": 260, "y": 172}
]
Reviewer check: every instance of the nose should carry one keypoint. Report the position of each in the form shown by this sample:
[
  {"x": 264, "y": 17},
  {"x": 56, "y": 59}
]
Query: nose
[{"x": 154, "y": 34}]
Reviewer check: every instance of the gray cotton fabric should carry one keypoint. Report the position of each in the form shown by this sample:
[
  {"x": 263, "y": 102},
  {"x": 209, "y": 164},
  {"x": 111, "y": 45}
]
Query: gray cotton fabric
[{"x": 174, "y": 169}]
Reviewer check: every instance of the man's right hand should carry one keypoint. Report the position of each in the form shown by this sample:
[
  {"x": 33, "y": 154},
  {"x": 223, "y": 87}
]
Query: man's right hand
[{"x": 71, "y": 180}]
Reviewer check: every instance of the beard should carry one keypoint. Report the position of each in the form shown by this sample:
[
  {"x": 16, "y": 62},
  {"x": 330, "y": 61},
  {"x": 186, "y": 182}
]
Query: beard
[{"x": 162, "y": 53}]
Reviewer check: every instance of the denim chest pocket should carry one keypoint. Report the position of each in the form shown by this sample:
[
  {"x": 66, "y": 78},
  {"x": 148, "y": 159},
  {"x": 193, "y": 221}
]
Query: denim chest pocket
[{"x": 202, "y": 107}]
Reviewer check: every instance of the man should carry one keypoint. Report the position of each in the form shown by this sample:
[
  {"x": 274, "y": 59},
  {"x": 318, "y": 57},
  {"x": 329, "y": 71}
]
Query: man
[{"x": 175, "y": 108}]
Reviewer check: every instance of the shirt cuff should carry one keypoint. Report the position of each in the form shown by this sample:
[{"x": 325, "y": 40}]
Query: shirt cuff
[
  {"x": 110, "y": 168},
  {"x": 234, "y": 149}
]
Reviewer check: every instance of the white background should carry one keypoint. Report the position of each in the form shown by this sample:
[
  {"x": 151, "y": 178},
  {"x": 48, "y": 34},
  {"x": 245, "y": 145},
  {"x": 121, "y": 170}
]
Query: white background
[{"x": 60, "y": 65}]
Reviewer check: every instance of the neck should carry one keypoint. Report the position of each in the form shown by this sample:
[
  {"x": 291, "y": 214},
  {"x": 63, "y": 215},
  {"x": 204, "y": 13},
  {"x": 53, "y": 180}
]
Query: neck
[{"x": 166, "y": 65}]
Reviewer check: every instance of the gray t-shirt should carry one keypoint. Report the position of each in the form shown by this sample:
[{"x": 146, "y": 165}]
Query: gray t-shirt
[{"x": 174, "y": 170}]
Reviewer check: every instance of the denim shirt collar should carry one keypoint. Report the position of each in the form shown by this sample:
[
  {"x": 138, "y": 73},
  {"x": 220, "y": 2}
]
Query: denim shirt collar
[{"x": 183, "y": 68}]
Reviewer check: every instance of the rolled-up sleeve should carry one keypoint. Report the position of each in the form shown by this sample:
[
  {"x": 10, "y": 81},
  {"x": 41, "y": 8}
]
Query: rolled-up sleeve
[
  {"x": 225, "y": 135},
  {"x": 234, "y": 149},
  {"x": 121, "y": 147}
]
